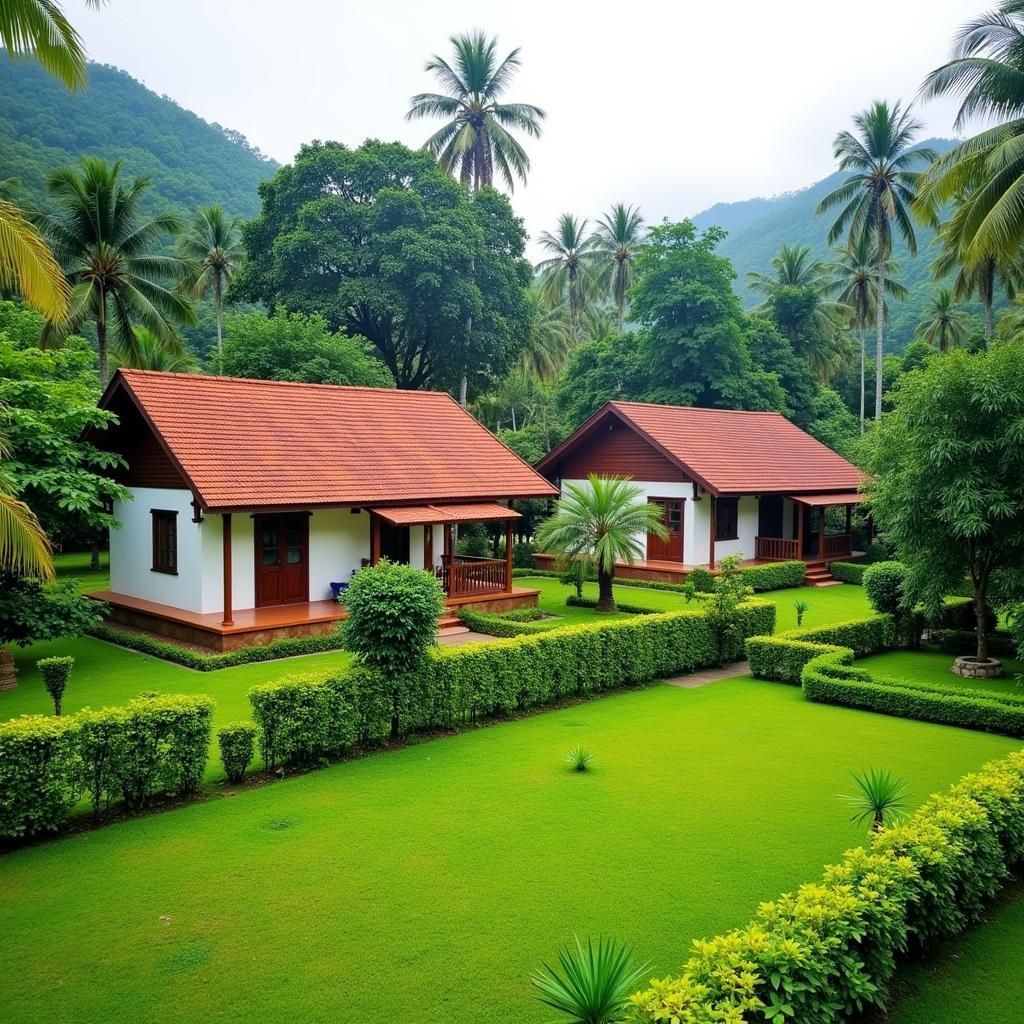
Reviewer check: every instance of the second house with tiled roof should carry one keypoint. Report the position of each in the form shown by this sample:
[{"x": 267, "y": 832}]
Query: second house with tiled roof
[
  {"x": 751, "y": 484},
  {"x": 253, "y": 502}
]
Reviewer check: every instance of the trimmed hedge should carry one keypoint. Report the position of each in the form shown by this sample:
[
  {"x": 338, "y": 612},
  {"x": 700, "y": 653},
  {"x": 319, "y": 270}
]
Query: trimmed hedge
[
  {"x": 572, "y": 601},
  {"x": 848, "y": 572},
  {"x": 237, "y": 742},
  {"x": 170, "y": 651},
  {"x": 115, "y": 755},
  {"x": 310, "y": 720},
  {"x": 496, "y": 624},
  {"x": 964, "y": 641},
  {"x": 828, "y": 952}
]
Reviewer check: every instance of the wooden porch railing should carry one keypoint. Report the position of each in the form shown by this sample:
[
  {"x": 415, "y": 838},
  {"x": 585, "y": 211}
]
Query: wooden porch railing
[
  {"x": 782, "y": 549},
  {"x": 468, "y": 575},
  {"x": 838, "y": 545}
]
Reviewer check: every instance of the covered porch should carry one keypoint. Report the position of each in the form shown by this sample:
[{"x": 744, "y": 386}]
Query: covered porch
[{"x": 803, "y": 534}]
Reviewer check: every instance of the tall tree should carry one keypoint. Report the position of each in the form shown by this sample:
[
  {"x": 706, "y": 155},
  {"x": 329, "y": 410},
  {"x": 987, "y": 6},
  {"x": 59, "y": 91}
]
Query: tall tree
[
  {"x": 566, "y": 275},
  {"x": 944, "y": 324},
  {"x": 985, "y": 172},
  {"x": 110, "y": 254},
  {"x": 854, "y": 282},
  {"x": 878, "y": 195},
  {"x": 617, "y": 237},
  {"x": 213, "y": 248},
  {"x": 39, "y": 29},
  {"x": 549, "y": 338},
  {"x": 477, "y": 134},
  {"x": 794, "y": 266}
]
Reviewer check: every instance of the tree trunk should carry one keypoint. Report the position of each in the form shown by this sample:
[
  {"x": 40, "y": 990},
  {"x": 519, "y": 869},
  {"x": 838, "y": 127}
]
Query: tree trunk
[
  {"x": 863, "y": 346},
  {"x": 513, "y": 408},
  {"x": 988, "y": 319},
  {"x": 8, "y": 672},
  {"x": 979, "y": 611},
  {"x": 218, "y": 306},
  {"x": 605, "y": 596},
  {"x": 879, "y": 322},
  {"x": 101, "y": 347}
]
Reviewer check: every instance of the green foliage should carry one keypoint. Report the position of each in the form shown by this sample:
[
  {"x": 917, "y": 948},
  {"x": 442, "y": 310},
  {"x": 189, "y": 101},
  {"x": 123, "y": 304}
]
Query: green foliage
[
  {"x": 237, "y": 743},
  {"x": 884, "y": 584},
  {"x": 169, "y": 651},
  {"x": 40, "y": 769},
  {"x": 1017, "y": 630},
  {"x": 522, "y": 555},
  {"x": 848, "y": 572},
  {"x": 776, "y": 576},
  {"x": 701, "y": 580},
  {"x": 574, "y": 601},
  {"x": 828, "y": 951},
  {"x": 760, "y": 578},
  {"x": 31, "y": 610},
  {"x": 880, "y": 798},
  {"x": 502, "y": 624},
  {"x": 801, "y": 608},
  {"x": 411, "y": 259},
  {"x": 580, "y": 758},
  {"x": 55, "y": 672},
  {"x": 592, "y": 984},
  {"x": 723, "y": 609},
  {"x": 293, "y": 346},
  {"x": 474, "y": 540}
]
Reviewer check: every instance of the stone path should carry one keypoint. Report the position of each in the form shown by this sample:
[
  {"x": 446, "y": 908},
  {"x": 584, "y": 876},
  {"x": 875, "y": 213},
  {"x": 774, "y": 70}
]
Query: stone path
[
  {"x": 468, "y": 637},
  {"x": 695, "y": 679}
]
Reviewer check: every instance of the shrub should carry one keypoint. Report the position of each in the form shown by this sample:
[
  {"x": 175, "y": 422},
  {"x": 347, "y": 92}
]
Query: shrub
[
  {"x": 777, "y": 576},
  {"x": 702, "y": 581},
  {"x": 848, "y": 572},
  {"x": 55, "y": 673},
  {"x": 883, "y": 583},
  {"x": 494, "y": 624},
  {"x": 474, "y": 541},
  {"x": 957, "y": 641},
  {"x": 40, "y": 773},
  {"x": 522, "y": 555},
  {"x": 572, "y": 601},
  {"x": 801, "y": 608},
  {"x": 580, "y": 758},
  {"x": 1017, "y": 630},
  {"x": 236, "y": 742},
  {"x": 828, "y": 951}
]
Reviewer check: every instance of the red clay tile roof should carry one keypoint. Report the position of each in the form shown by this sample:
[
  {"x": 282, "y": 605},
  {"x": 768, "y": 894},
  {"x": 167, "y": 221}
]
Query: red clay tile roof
[
  {"x": 728, "y": 451},
  {"x": 252, "y": 443},
  {"x": 416, "y": 515}
]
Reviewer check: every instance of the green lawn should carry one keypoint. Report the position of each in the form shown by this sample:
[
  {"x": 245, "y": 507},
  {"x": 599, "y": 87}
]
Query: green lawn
[
  {"x": 932, "y": 666},
  {"x": 425, "y": 884}
]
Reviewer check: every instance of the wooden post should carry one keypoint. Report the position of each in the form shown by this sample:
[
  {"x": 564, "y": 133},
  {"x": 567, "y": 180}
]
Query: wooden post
[
  {"x": 226, "y": 543},
  {"x": 508, "y": 555},
  {"x": 712, "y": 525},
  {"x": 798, "y": 514},
  {"x": 849, "y": 519},
  {"x": 821, "y": 534},
  {"x": 449, "y": 559},
  {"x": 428, "y": 547},
  {"x": 374, "y": 538}
]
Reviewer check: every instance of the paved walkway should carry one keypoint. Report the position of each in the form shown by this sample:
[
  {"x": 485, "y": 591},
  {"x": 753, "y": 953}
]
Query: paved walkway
[
  {"x": 454, "y": 639},
  {"x": 695, "y": 679}
]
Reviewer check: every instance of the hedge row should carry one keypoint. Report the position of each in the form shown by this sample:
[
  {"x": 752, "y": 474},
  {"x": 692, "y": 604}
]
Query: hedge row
[
  {"x": 572, "y": 601},
  {"x": 848, "y": 572},
  {"x": 964, "y": 641},
  {"x": 170, "y": 651},
  {"x": 828, "y": 951},
  {"x": 496, "y": 624},
  {"x": 116, "y": 755},
  {"x": 309, "y": 720}
]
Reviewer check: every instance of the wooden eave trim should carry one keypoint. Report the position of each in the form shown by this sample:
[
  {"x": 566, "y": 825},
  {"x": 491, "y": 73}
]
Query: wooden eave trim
[{"x": 370, "y": 503}]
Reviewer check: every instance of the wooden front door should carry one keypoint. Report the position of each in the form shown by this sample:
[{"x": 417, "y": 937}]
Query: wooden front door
[
  {"x": 282, "y": 559},
  {"x": 671, "y": 548}
]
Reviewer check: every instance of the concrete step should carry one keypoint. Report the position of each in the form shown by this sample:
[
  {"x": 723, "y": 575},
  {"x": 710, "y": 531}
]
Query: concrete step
[
  {"x": 452, "y": 630},
  {"x": 447, "y": 620},
  {"x": 827, "y": 583}
]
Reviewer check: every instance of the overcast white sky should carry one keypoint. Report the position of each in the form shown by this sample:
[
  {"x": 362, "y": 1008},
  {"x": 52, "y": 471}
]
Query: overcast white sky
[{"x": 671, "y": 105}]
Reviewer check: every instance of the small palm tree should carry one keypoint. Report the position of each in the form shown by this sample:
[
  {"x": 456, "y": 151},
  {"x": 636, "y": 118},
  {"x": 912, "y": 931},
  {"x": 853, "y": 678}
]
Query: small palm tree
[
  {"x": 881, "y": 797},
  {"x": 24, "y": 547},
  {"x": 618, "y": 236},
  {"x": 109, "y": 252},
  {"x": 38, "y": 28},
  {"x": 549, "y": 337},
  {"x": 879, "y": 194},
  {"x": 212, "y": 246},
  {"x": 594, "y": 983},
  {"x": 601, "y": 522},
  {"x": 566, "y": 276},
  {"x": 794, "y": 267},
  {"x": 476, "y": 136},
  {"x": 944, "y": 324}
]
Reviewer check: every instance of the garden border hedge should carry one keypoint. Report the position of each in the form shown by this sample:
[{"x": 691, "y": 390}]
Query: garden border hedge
[
  {"x": 848, "y": 572},
  {"x": 829, "y": 951}
]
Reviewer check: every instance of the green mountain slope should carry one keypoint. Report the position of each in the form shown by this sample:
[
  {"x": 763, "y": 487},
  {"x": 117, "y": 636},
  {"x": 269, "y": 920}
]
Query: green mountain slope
[
  {"x": 758, "y": 227},
  {"x": 191, "y": 162}
]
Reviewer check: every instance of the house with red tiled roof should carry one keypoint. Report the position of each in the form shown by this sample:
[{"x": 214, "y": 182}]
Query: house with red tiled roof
[
  {"x": 727, "y": 483},
  {"x": 254, "y": 502}
]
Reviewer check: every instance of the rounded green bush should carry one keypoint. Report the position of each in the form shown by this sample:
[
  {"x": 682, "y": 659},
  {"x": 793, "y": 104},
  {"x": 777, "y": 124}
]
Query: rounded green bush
[
  {"x": 883, "y": 583},
  {"x": 237, "y": 742},
  {"x": 55, "y": 672},
  {"x": 702, "y": 580}
]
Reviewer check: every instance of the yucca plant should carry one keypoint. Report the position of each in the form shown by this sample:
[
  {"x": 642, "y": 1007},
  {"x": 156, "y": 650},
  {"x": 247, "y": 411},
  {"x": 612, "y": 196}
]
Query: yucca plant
[
  {"x": 594, "y": 982},
  {"x": 881, "y": 797},
  {"x": 801, "y": 608},
  {"x": 580, "y": 758}
]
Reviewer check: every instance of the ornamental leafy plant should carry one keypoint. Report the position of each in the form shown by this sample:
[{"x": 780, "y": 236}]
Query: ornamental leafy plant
[
  {"x": 55, "y": 673},
  {"x": 237, "y": 742},
  {"x": 948, "y": 480}
]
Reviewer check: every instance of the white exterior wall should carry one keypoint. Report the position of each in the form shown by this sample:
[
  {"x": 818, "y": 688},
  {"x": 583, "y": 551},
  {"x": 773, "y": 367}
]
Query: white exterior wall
[
  {"x": 746, "y": 531},
  {"x": 131, "y": 549}
]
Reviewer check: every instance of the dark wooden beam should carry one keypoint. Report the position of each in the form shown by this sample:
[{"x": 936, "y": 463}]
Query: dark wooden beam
[
  {"x": 821, "y": 532},
  {"x": 508, "y": 555},
  {"x": 374, "y": 539},
  {"x": 428, "y": 547},
  {"x": 712, "y": 524},
  {"x": 798, "y": 514},
  {"x": 849, "y": 519},
  {"x": 226, "y": 543}
]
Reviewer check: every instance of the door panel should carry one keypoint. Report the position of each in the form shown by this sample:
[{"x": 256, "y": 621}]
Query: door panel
[
  {"x": 282, "y": 559},
  {"x": 670, "y": 549}
]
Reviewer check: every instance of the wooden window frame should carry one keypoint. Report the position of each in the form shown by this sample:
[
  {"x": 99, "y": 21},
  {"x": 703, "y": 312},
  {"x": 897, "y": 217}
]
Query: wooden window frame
[
  {"x": 725, "y": 504},
  {"x": 165, "y": 555}
]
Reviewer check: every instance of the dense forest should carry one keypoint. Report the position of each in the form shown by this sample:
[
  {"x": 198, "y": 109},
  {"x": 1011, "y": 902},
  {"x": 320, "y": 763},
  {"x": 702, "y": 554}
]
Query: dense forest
[
  {"x": 758, "y": 227},
  {"x": 43, "y": 125}
]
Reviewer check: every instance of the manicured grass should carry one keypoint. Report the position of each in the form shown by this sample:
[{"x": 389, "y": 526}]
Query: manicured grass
[
  {"x": 76, "y": 566},
  {"x": 932, "y": 666},
  {"x": 426, "y": 883}
]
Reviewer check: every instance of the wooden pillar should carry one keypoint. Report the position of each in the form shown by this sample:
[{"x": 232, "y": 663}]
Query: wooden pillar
[
  {"x": 821, "y": 533},
  {"x": 449, "y": 560},
  {"x": 374, "y": 538},
  {"x": 508, "y": 554},
  {"x": 798, "y": 514},
  {"x": 849, "y": 526},
  {"x": 712, "y": 524},
  {"x": 226, "y": 544},
  {"x": 428, "y": 547}
]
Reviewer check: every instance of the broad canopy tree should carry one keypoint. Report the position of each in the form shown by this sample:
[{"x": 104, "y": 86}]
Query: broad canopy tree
[
  {"x": 386, "y": 245},
  {"x": 948, "y": 463}
]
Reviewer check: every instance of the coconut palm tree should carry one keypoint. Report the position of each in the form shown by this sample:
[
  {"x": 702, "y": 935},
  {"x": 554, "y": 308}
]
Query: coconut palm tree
[
  {"x": 24, "y": 547},
  {"x": 476, "y": 136},
  {"x": 617, "y": 237},
  {"x": 986, "y": 172},
  {"x": 878, "y": 194},
  {"x": 601, "y": 522},
  {"x": 109, "y": 252},
  {"x": 944, "y": 325},
  {"x": 881, "y": 797},
  {"x": 794, "y": 267},
  {"x": 212, "y": 246},
  {"x": 853, "y": 281},
  {"x": 39, "y": 29},
  {"x": 149, "y": 353},
  {"x": 567, "y": 275},
  {"x": 549, "y": 338}
]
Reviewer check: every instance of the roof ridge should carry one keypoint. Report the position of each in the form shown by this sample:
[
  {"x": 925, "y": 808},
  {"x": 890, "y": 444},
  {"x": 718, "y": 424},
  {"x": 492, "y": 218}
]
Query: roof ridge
[{"x": 697, "y": 408}]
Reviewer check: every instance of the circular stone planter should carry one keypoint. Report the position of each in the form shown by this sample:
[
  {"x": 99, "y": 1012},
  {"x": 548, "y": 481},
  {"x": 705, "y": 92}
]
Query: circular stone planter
[{"x": 977, "y": 668}]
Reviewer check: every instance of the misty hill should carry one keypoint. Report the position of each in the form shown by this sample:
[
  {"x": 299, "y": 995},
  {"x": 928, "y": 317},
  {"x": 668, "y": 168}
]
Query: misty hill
[
  {"x": 758, "y": 227},
  {"x": 191, "y": 162}
]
